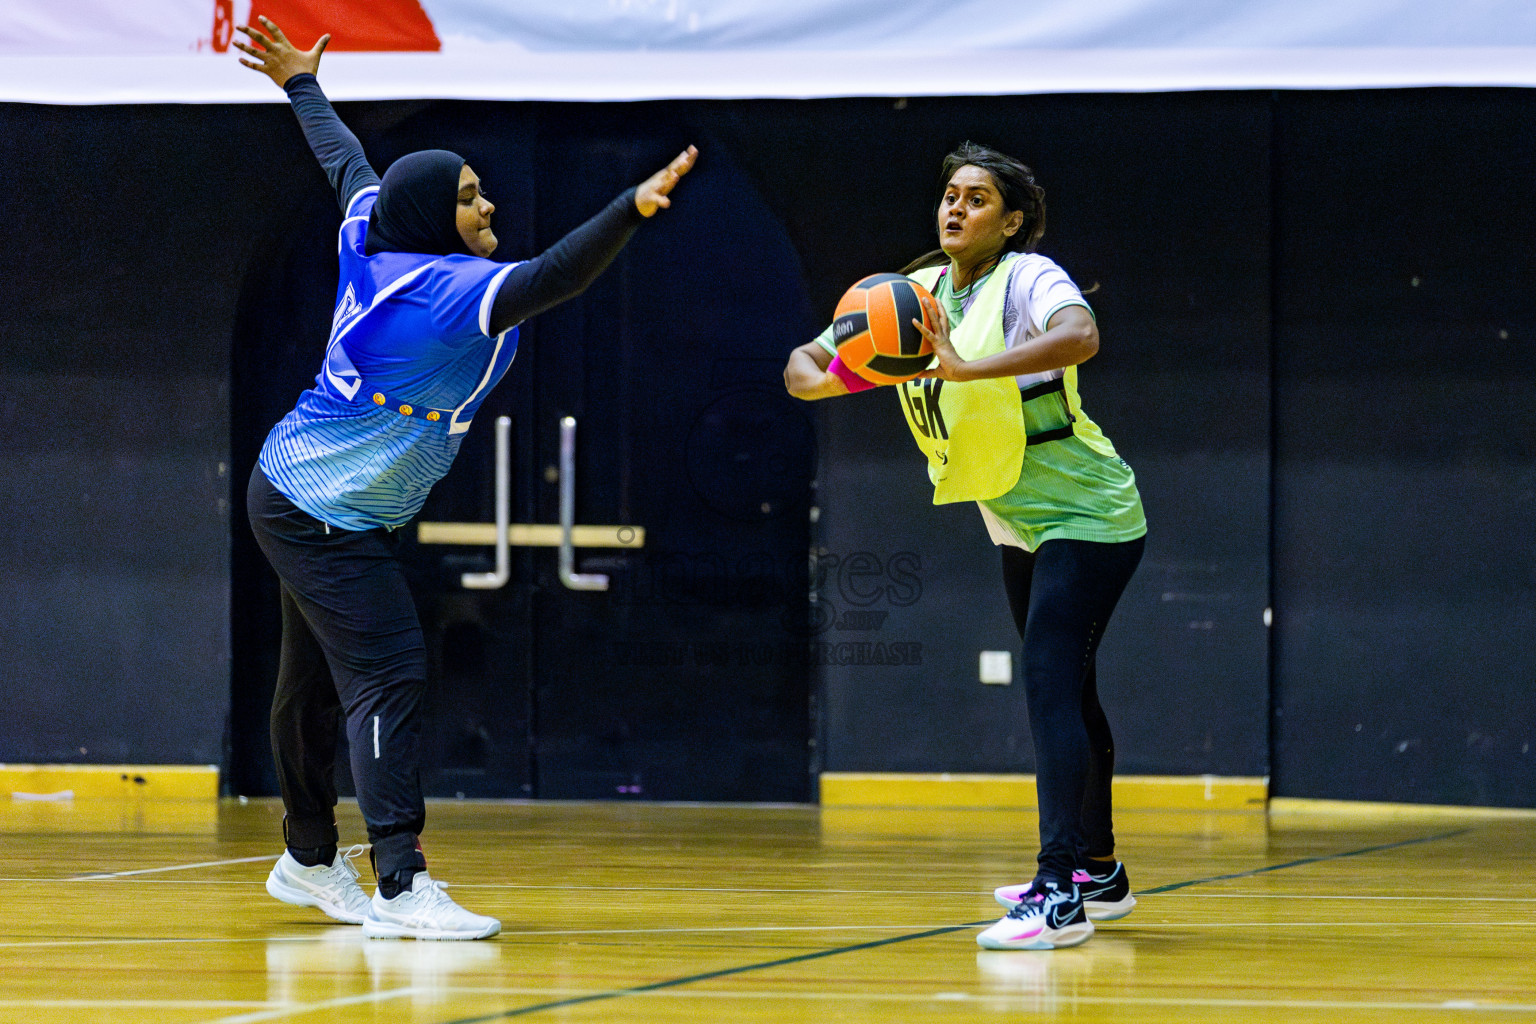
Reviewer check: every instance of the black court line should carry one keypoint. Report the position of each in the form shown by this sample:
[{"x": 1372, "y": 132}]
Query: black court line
[
  {"x": 725, "y": 973},
  {"x": 838, "y": 951},
  {"x": 1304, "y": 860}
]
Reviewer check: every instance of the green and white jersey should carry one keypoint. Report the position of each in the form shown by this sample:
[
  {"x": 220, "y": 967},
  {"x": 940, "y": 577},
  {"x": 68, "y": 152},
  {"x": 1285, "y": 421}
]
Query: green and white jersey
[{"x": 1072, "y": 484}]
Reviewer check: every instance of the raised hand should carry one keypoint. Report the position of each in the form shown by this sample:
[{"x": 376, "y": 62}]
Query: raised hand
[
  {"x": 653, "y": 193},
  {"x": 276, "y": 57}
]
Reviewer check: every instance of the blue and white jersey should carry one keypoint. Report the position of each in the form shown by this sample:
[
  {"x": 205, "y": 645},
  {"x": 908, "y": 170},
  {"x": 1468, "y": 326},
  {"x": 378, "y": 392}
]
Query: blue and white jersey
[{"x": 410, "y": 332}]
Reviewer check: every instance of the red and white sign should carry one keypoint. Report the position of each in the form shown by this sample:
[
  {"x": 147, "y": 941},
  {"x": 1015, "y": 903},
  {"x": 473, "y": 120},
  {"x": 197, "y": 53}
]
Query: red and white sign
[{"x": 178, "y": 51}]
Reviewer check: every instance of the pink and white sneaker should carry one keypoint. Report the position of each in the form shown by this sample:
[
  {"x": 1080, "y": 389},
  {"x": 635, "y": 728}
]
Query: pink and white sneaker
[
  {"x": 1106, "y": 897},
  {"x": 1047, "y": 917}
]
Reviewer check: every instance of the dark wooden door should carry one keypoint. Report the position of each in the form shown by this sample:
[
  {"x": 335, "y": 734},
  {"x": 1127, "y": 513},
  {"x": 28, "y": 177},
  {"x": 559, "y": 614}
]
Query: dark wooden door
[{"x": 685, "y": 679}]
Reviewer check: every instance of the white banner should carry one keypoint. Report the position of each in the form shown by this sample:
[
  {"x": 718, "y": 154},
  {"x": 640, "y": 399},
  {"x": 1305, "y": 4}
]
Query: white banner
[{"x": 144, "y": 51}]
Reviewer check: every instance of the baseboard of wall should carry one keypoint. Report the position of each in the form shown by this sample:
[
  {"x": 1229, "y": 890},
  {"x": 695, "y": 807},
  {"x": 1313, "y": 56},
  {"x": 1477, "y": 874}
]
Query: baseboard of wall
[
  {"x": 1131, "y": 792},
  {"x": 1303, "y": 806},
  {"x": 120, "y": 781}
]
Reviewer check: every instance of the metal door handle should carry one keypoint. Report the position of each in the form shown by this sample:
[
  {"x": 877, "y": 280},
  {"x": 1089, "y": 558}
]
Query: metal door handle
[
  {"x": 498, "y": 579},
  {"x": 568, "y": 574},
  {"x": 504, "y": 534}
]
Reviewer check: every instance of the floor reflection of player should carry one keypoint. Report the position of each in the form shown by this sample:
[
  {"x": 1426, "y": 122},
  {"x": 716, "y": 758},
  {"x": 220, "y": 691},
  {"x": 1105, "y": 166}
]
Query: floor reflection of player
[{"x": 1044, "y": 984}]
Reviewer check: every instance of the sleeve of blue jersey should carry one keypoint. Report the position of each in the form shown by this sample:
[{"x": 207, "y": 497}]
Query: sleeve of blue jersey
[
  {"x": 461, "y": 292},
  {"x": 354, "y": 226},
  {"x": 361, "y": 203}
]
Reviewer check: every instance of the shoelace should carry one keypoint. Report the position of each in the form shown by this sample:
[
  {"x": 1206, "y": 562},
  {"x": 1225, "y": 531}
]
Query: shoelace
[
  {"x": 434, "y": 895},
  {"x": 351, "y": 855},
  {"x": 1035, "y": 901},
  {"x": 1028, "y": 905}
]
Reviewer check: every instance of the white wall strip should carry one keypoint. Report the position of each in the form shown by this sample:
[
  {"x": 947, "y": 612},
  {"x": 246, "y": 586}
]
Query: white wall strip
[
  {"x": 77, "y": 52},
  {"x": 481, "y": 71}
]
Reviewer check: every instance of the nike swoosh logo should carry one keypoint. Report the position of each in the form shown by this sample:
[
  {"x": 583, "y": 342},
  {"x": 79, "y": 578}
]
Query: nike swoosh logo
[
  {"x": 1057, "y": 919},
  {"x": 1089, "y": 894}
]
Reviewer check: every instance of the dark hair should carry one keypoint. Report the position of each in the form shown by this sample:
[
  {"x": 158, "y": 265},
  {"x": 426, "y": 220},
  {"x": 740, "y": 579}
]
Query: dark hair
[{"x": 1013, "y": 179}]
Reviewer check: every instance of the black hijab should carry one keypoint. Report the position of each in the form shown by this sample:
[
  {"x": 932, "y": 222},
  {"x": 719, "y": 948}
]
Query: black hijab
[{"x": 417, "y": 206}]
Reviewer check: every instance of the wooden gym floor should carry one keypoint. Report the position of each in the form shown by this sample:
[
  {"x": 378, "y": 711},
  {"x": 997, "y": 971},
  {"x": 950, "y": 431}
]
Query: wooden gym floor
[{"x": 137, "y": 912}]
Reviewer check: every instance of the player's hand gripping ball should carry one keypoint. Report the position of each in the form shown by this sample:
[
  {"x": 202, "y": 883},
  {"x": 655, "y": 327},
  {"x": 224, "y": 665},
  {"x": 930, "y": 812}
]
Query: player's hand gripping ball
[{"x": 873, "y": 328}]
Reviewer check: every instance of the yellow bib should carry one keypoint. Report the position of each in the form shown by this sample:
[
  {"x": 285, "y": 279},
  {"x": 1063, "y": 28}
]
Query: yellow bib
[{"x": 971, "y": 431}]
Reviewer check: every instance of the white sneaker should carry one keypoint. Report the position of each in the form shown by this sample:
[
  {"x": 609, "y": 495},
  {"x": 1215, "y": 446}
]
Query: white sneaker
[
  {"x": 424, "y": 912},
  {"x": 1105, "y": 897},
  {"x": 1048, "y": 918},
  {"x": 331, "y": 887}
]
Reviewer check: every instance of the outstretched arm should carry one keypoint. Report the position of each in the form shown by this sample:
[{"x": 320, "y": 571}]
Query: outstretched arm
[
  {"x": 571, "y": 264},
  {"x": 806, "y": 375},
  {"x": 334, "y": 145}
]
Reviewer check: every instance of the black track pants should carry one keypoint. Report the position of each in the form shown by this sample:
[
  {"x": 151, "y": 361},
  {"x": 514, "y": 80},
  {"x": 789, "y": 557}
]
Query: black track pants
[
  {"x": 352, "y": 646},
  {"x": 1062, "y": 596}
]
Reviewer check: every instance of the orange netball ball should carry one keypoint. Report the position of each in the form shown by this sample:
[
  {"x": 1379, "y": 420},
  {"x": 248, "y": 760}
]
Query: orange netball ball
[{"x": 873, "y": 329}]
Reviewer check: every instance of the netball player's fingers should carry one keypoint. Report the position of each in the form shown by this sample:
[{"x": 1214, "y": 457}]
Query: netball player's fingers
[
  {"x": 261, "y": 57},
  {"x": 936, "y": 312},
  {"x": 277, "y": 33},
  {"x": 939, "y": 338},
  {"x": 257, "y": 36},
  {"x": 684, "y": 162},
  {"x": 652, "y": 195},
  {"x": 319, "y": 48},
  {"x": 665, "y": 182}
]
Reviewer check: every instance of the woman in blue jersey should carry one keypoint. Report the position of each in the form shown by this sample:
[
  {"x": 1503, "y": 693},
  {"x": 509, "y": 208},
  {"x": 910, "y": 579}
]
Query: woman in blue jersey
[
  {"x": 425, "y": 325},
  {"x": 1000, "y": 420}
]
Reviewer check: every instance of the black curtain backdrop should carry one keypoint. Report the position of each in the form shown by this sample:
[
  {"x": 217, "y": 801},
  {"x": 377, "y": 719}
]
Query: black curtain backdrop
[{"x": 1318, "y": 322}]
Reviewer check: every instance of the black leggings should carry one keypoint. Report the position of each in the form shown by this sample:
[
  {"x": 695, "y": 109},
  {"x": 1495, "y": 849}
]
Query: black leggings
[
  {"x": 1062, "y": 596},
  {"x": 352, "y": 645}
]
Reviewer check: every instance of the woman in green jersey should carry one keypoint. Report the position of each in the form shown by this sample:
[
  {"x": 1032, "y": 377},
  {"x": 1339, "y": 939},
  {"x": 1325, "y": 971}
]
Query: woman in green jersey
[{"x": 1000, "y": 420}]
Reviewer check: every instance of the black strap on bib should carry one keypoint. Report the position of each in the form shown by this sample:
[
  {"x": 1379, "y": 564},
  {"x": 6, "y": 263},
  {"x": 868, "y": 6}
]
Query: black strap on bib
[
  {"x": 1058, "y": 434},
  {"x": 1050, "y": 387}
]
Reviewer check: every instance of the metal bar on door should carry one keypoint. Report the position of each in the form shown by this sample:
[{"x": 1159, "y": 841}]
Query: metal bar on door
[
  {"x": 504, "y": 535},
  {"x": 568, "y": 575},
  {"x": 498, "y": 579}
]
